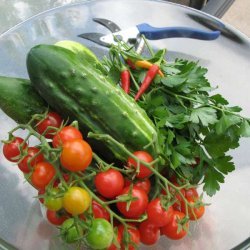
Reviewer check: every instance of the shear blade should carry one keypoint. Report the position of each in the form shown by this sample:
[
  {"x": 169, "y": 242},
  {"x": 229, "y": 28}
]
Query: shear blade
[
  {"x": 108, "y": 24},
  {"x": 94, "y": 37}
]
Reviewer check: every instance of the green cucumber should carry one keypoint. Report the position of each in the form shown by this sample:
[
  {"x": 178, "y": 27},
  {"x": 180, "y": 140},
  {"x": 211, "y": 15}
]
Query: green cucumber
[
  {"x": 78, "y": 92},
  {"x": 19, "y": 100},
  {"x": 85, "y": 54},
  {"x": 79, "y": 49}
]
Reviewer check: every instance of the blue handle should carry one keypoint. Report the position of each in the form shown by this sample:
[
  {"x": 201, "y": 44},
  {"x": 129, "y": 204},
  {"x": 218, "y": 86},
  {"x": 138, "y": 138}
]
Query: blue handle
[{"x": 153, "y": 33}]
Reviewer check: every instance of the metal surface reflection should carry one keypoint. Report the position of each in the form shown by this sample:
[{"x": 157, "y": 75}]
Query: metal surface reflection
[
  {"x": 215, "y": 24},
  {"x": 227, "y": 60}
]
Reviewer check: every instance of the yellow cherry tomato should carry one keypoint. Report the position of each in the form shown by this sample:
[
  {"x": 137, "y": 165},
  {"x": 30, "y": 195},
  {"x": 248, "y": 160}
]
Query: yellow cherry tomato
[{"x": 76, "y": 200}]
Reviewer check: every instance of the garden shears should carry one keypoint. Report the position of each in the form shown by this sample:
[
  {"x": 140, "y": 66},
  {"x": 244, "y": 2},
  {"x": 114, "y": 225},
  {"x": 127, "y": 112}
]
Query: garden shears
[{"x": 133, "y": 35}]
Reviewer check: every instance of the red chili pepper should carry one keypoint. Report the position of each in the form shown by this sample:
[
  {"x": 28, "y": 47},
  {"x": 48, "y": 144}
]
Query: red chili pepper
[
  {"x": 130, "y": 64},
  {"x": 152, "y": 72},
  {"x": 146, "y": 65},
  {"x": 125, "y": 80}
]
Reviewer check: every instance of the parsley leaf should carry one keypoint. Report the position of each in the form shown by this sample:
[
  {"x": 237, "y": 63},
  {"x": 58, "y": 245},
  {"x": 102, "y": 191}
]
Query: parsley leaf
[
  {"x": 114, "y": 74},
  {"x": 173, "y": 81},
  {"x": 234, "y": 109},
  {"x": 176, "y": 109},
  {"x": 217, "y": 145},
  {"x": 224, "y": 164},
  {"x": 225, "y": 122},
  {"x": 191, "y": 123},
  {"x": 205, "y": 115},
  {"x": 176, "y": 121},
  {"x": 187, "y": 171},
  {"x": 170, "y": 69},
  {"x": 214, "y": 174},
  {"x": 175, "y": 161},
  {"x": 219, "y": 99},
  {"x": 245, "y": 129},
  {"x": 170, "y": 137},
  {"x": 212, "y": 180}
]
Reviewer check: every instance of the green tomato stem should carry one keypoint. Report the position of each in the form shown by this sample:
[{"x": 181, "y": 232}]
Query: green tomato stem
[
  {"x": 105, "y": 205},
  {"x": 107, "y": 166},
  {"x": 45, "y": 147},
  {"x": 148, "y": 165}
]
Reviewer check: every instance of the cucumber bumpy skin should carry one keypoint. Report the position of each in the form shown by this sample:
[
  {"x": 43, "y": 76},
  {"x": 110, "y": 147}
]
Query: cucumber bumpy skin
[
  {"x": 85, "y": 55},
  {"x": 19, "y": 100},
  {"x": 80, "y": 92}
]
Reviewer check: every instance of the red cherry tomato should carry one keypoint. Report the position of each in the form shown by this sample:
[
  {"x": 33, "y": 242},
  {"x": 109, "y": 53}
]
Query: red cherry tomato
[
  {"x": 177, "y": 196},
  {"x": 143, "y": 170},
  {"x": 42, "y": 175},
  {"x": 67, "y": 133},
  {"x": 12, "y": 149},
  {"x": 149, "y": 233},
  {"x": 24, "y": 166},
  {"x": 157, "y": 215},
  {"x": 171, "y": 229},
  {"x": 194, "y": 213},
  {"x": 127, "y": 182},
  {"x": 52, "y": 120},
  {"x": 55, "y": 218},
  {"x": 137, "y": 207},
  {"x": 144, "y": 184},
  {"x": 177, "y": 204},
  {"x": 99, "y": 211},
  {"x": 134, "y": 236},
  {"x": 109, "y": 183},
  {"x": 174, "y": 192},
  {"x": 191, "y": 193},
  {"x": 76, "y": 155}
]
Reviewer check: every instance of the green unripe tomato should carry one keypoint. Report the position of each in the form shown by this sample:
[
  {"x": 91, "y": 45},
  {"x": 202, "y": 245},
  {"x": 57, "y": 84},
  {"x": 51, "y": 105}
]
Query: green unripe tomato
[
  {"x": 100, "y": 234},
  {"x": 70, "y": 232},
  {"x": 52, "y": 202}
]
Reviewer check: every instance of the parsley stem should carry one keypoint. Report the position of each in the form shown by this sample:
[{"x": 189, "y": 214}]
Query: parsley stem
[
  {"x": 133, "y": 80},
  {"x": 207, "y": 104},
  {"x": 148, "y": 46}
]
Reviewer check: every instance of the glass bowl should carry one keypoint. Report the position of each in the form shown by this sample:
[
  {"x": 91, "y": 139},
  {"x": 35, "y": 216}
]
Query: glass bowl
[{"x": 227, "y": 219}]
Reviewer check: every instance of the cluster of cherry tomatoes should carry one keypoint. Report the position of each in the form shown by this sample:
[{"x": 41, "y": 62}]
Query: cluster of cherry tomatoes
[{"x": 116, "y": 203}]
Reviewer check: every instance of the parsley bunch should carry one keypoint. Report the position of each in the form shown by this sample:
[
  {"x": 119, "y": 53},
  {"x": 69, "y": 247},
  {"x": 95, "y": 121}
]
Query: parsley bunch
[{"x": 195, "y": 128}]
